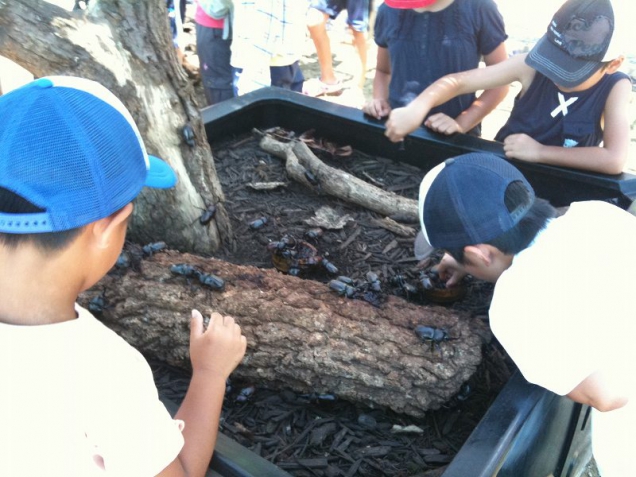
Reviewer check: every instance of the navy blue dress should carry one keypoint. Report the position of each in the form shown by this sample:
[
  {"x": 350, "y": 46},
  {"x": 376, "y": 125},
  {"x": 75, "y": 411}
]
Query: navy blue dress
[{"x": 426, "y": 46}]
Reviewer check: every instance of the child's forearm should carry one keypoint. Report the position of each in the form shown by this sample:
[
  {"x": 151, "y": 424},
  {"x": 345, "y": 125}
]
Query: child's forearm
[
  {"x": 200, "y": 410},
  {"x": 481, "y": 107},
  {"x": 595, "y": 159},
  {"x": 381, "y": 82}
]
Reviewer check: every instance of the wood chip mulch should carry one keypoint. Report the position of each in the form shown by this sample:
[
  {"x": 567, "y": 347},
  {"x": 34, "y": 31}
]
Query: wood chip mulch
[{"x": 321, "y": 435}]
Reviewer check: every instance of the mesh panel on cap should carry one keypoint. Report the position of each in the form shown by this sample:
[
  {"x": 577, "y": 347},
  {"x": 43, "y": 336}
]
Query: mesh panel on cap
[
  {"x": 73, "y": 155},
  {"x": 465, "y": 204}
]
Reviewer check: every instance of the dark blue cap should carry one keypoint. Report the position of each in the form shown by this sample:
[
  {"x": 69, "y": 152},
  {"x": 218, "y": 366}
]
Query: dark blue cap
[{"x": 462, "y": 201}]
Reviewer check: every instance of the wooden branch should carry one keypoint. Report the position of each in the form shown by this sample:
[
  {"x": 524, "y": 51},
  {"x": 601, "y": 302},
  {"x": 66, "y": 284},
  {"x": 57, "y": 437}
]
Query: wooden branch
[
  {"x": 299, "y": 159},
  {"x": 301, "y": 335}
]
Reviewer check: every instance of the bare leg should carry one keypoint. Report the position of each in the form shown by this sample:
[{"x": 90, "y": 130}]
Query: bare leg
[
  {"x": 318, "y": 33},
  {"x": 360, "y": 43}
]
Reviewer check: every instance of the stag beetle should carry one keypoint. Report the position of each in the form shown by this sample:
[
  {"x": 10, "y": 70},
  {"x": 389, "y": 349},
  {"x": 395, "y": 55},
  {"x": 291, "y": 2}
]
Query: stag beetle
[
  {"x": 406, "y": 288},
  {"x": 435, "y": 336},
  {"x": 184, "y": 269},
  {"x": 207, "y": 215}
]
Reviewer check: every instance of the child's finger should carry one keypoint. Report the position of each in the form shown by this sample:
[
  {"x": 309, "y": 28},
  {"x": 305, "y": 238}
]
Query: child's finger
[{"x": 196, "y": 324}]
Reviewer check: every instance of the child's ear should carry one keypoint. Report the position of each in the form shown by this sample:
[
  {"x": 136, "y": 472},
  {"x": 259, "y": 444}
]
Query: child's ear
[
  {"x": 614, "y": 65},
  {"x": 478, "y": 254},
  {"x": 105, "y": 229}
]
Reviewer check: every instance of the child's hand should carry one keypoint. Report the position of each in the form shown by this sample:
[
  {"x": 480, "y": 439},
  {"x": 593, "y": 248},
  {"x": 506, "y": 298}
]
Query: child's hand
[
  {"x": 219, "y": 348},
  {"x": 523, "y": 147},
  {"x": 443, "y": 124},
  {"x": 378, "y": 108},
  {"x": 403, "y": 121},
  {"x": 450, "y": 271}
]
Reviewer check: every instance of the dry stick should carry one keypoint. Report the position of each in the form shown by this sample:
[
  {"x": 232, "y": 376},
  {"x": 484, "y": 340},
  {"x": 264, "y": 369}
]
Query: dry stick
[{"x": 299, "y": 159}]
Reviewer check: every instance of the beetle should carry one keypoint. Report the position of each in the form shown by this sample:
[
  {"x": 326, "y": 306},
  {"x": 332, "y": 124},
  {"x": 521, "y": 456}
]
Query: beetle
[
  {"x": 330, "y": 267},
  {"x": 258, "y": 223},
  {"x": 374, "y": 281},
  {"x": 435, "y": 336},
  {"x": 245, "y": 394},
  {"x": 152, "y": 248},
  {"x": 184, "y": 269},
  {"x": 342, "y": 288},
  {"x": 188, "y": 135},
  {"x": 123, "y": 261},
  {"x": 212, "y": 281},
  {"x": 97, "y": 304},
  {"x": 207, "y": 215},
  {"x": 311, "y": 178},
  {"x": 314, "y": 234},
  {"x": 408, "y": 289}
]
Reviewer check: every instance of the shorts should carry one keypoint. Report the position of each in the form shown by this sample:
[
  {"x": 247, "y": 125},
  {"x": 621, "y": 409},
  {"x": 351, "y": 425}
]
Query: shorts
[
  {"x": 287, "y": 77},
  {"x": 357, "y": 11}
]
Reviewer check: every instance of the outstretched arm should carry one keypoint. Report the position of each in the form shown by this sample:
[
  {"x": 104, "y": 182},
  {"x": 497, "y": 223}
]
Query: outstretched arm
[
  {"x": 403, "y": 121},
  {"x": 610, "y": 158},
  {"x": 214, "y": 353},
  {"x": 480, "y": 108}
]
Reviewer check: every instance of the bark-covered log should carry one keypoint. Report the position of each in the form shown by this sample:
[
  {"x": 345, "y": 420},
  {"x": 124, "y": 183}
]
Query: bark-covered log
[
  {"x": 299, "y": 160},
  {"x": 301, "y": 335},
  {"x": 126, "y": 47}
]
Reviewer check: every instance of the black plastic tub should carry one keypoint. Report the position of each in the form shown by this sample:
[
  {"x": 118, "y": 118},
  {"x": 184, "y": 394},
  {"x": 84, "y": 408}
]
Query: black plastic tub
[
  {"x": 528, "y": 431},
  {"x": 269, "y": 107}
]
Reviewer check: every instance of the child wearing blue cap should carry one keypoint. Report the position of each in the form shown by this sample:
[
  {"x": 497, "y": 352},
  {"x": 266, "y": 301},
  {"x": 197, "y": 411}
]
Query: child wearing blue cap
[
  {"x": 77, "y": 399},
  {"x": 562, "y": 305},
  {"x": 572, "y": 109}
]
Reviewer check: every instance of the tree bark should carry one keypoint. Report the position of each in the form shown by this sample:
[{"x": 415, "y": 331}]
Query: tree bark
[
  {"x": 301, "y": 335},
  {"x": 126, "y": 46}
]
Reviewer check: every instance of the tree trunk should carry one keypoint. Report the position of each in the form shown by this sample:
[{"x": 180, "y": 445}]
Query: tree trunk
[
  {"x": 126, "y": 46},
  {"x": 301, "y": 335}
]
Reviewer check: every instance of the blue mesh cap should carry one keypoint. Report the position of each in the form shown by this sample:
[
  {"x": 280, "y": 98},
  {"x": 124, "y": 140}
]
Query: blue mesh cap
[
  {"x": 461, "y": 200},
  {"x": 70, "y": 147}
]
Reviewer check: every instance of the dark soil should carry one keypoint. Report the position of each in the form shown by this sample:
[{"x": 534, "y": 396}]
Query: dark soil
[{"x": 321, "y": 435}]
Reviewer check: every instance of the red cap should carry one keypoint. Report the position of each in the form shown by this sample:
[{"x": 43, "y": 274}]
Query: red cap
[{"x": 409, "y": 3}]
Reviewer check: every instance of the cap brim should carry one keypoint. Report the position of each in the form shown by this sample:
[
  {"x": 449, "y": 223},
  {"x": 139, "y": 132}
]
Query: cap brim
[
  {"x": 558, "y": 66},
  {"x": 160, "y": 174},
  {"x": 422, "y": 249}
]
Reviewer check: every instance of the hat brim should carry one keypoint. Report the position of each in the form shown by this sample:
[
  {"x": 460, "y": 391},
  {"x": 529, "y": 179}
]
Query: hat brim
[
  {"x": 409, "y": 3},
  {"x": 160, "y": 174},
  {"x": 558, "y": 66},
  {"x": 421, "y": 248}
]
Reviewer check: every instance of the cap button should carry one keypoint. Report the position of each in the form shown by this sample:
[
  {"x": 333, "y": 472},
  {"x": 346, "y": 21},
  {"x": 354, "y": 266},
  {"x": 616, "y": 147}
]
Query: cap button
[
  {"x": 42, "y": 83},
  {"x": 449, "y": 161}
]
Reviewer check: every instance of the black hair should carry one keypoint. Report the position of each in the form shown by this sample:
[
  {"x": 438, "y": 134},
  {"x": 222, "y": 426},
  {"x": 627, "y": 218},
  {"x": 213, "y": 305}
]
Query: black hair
[
  {"x": 523, "y": 233},
  {"x": 12, "y": 203}
]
